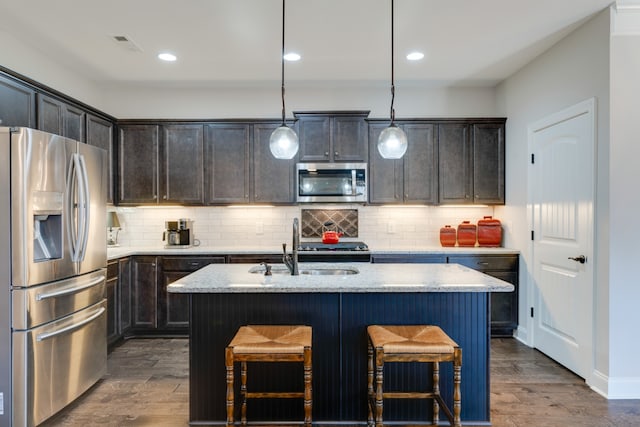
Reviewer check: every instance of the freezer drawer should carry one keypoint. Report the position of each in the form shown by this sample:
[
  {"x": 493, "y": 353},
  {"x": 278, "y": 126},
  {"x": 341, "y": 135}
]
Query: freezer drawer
[
  {"x": 37, "y": 305},
  {"x": 55, "y": 363}
]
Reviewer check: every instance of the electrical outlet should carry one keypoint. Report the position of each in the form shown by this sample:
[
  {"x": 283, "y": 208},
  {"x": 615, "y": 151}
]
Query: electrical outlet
[
  {"x": 259, "y": 228},
  {"x": 391, "y": 227}
]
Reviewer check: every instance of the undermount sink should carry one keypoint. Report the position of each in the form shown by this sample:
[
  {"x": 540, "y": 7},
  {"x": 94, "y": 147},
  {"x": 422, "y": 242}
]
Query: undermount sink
[{"x": 317, "y": 271}]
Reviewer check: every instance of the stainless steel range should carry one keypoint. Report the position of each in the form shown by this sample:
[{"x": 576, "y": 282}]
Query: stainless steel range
[
  {"x": 334, "y": 252},
  {"x": 52, "y": 273}
]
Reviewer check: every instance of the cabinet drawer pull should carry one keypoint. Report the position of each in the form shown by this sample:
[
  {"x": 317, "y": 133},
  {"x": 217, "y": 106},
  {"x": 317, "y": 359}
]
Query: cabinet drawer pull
[{"x": 483, "y": 263}]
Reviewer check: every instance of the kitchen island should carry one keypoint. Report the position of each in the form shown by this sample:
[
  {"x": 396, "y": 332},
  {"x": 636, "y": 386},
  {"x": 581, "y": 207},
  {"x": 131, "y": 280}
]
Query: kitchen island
[{"x": 339, "y": 307}]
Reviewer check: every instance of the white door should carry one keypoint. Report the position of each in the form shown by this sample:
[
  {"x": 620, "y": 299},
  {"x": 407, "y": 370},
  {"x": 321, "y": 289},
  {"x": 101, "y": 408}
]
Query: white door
[{"x": 562, "y": 200}]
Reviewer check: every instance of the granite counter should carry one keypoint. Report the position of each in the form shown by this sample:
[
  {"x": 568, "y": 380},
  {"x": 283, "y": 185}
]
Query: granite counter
[{"x": 241, "y": 278}]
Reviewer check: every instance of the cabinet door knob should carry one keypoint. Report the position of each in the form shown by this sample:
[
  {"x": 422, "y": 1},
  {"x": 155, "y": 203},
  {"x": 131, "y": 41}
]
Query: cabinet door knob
[
  {"x": 164, "y": 197},
  {"x": 336, "y": 154},
  {"x": 326, "y": 154}
]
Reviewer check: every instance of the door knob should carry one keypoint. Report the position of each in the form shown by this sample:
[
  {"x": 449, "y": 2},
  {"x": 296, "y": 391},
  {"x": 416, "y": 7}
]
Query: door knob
[{"x": 581, "y": 259}]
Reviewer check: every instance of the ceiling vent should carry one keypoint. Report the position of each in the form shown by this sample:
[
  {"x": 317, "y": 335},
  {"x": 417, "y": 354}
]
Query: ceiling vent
[{"x": 126, "y": 42}]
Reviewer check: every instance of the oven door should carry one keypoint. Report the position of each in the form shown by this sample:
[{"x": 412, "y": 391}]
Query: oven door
[
  {"x": 331, "y": 182},
  {"x": 55, "y": 363}
]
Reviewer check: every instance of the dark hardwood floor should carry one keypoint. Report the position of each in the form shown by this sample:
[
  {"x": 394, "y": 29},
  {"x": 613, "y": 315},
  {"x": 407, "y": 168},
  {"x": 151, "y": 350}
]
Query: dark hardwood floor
[{"x": 147, "y": 385}]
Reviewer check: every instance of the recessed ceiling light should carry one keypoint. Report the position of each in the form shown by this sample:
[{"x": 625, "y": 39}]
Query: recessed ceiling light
[
  {"x": 166, "y": 56},
  {"x": 291, "y": 56},
  {"x": 415, "y": 56}
]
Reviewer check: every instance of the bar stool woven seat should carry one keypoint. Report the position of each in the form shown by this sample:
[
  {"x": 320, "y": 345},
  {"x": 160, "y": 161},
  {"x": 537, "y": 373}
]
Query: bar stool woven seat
[
  {"x": 268, "y": 343},
  {"x": 411, "y": 343}
]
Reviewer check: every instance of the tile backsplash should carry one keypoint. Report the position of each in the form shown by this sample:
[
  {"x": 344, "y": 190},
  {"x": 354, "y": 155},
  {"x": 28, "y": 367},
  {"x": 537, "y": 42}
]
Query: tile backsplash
[{"x": 381, "y": 227}]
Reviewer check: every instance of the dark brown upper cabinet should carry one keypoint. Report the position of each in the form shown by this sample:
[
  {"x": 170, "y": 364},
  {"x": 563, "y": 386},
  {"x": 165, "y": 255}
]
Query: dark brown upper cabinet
[
  {"x": 471, "y": 164},
  {"x": 17, "y": 104},
  {"x": 412, "y": 179},
  {"x": 273, "y": 179},
  {"x": 239, "y": 166},
  {"x": 138, "y": 164},
  {"x": 181, "y": 171},
  {"x": 333, "y": 136},
  {"x": 160, "y": 164},
  {"x": 100, "y": 134},
  {"x": 227, "y": 163},
  {"x": 488, "y": 163},
  {"x": 58, "y": 117}
]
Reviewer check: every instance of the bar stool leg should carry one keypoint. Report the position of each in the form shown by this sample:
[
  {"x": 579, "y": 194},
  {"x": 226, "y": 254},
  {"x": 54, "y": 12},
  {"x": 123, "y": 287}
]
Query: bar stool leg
[
  {"x": 308, "y": 400},
  {"x": 369, "y": 383},
  {"x": 229, "y": 366},
  {"x": 436, "y": 390},
  {"x": 379, "y": 380},
  {"x": 243, "y": 393},
  {"x": 457, "y": 368}
]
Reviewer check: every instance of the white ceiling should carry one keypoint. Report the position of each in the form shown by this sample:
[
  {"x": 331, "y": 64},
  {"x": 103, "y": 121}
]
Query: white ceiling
[{"x": 230, "y": 42}]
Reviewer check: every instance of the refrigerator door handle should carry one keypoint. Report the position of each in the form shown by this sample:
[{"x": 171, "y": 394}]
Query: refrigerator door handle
[
  {"x": 72, "y": 290},
  {"x": 77, "y": 206},
  {"x": 72, "y": 218},
  {"x": 70, "y": 328},
  {"x": 83, "y": 179}
]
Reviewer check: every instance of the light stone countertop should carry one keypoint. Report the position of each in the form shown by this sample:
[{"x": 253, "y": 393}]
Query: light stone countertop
[
  {"x": 124, "y": 251},
  {"x": 236, "y": 278}
]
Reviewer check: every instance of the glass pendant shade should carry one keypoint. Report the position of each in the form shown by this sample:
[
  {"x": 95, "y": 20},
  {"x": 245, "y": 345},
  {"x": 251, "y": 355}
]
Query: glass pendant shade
[
  {"x": 392, "y": 143},
  {"x": 283, "y": 143}
]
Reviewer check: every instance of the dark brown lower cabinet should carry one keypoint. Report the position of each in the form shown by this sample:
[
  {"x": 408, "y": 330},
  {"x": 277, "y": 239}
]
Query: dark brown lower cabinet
[
  {"x": 113, "y": 304},
  {"x": 145, "y": 306},
  {"x": 144, "y": 293},
  {"x": 504, "y": 305},
  {"x": 124, "y": 282},
  {"x": 173, "y": 309},
  {"x": 118, "y": 294}
]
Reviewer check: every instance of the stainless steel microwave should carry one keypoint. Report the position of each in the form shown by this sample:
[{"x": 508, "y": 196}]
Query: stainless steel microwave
[{"x": 331, "y": 182}]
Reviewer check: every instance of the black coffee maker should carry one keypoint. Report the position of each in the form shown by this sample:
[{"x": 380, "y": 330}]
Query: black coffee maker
[{"x": 178, "y": 234}]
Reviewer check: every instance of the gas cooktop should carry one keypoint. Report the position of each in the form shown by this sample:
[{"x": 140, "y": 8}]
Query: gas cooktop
[{"x": 341, "y": 246}]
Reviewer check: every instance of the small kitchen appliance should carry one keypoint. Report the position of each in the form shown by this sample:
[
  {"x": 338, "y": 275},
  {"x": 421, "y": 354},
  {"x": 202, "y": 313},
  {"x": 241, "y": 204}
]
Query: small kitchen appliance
[
  {"x": 178, "y": 234},
  {"x": 331, "y": 182}
]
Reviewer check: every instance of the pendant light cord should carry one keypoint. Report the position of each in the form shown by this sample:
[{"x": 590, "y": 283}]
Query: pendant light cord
[
  {"x": 393, "y": 87},
  {"x": 282, "y": 61}
]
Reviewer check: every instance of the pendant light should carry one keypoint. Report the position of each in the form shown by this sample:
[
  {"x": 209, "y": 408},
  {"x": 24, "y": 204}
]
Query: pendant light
[
  {"x": 283, "y": 142},
  {"x": 392, "y": 142}
]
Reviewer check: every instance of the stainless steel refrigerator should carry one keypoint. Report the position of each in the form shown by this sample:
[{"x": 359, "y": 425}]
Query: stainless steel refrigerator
[{"x": 53, "y": 260}]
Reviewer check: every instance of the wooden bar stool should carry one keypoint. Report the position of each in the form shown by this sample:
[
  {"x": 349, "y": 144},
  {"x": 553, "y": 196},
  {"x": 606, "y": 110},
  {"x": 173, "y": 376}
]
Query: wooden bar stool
[
  {"x": 416, "y": 343},
  {"x": 268, "y": 343}
]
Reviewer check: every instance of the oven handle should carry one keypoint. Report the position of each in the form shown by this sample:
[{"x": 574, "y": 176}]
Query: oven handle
[
  {"x": 69, "y": 291},
  {"x": 45, "y": 336}
]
